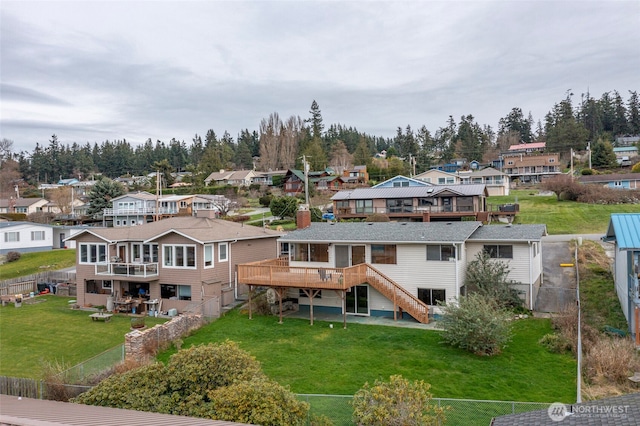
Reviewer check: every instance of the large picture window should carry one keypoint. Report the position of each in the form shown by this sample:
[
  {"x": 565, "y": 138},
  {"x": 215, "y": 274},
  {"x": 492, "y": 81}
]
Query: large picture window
[
  {"x": 440, "y": 252},
  {"x": 431, "y": 296},
  {"x": 93, "y": 253},
  {"x": 179, "y": 256},
  {"x": 311, "y": 252},
  {"x": 364, "y": 206},
  {"x": 37, "y": 235},
  {"x": 175, "y": 292},
  {"x": 11, "y": 237},
  {"x": 499, "y": 251},
  {"x": 383, "y": 254}
]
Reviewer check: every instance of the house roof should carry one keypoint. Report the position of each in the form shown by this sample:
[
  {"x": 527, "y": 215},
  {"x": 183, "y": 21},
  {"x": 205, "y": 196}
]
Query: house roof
[
  {"x": 140, "y": 195},
  {"x": 409, "y": 192},
  {"x": 385, "y": 232},
  {"x": 23, "y": 223},
  {"x": 27, "y": 411},
  {"x": 619, "y": 411},
  {"x": 487, "y": 171},
  {"x": 609, "y": 177},
  {"x": 534, "y": 145},
  {"x": 21, "y": 202},
  {"x": 624, "y": 228},
  {"x": 509, "y": 232},
  {"x": 198, "y": 229}
]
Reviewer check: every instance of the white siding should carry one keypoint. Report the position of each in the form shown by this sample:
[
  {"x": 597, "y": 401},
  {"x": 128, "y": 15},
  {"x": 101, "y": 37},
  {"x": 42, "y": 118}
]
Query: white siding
[
  {"x": 26, "y": 244},
  {"x": 622, "y": 281},
  {"x": 518, "y": 266}
]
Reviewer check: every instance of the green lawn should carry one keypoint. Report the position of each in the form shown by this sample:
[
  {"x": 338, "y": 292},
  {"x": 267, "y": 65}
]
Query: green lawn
[
  {"x": 322, "y": 360},
  {"x": 562, "y": 217},
  {"x": 32, "y": 263},
  {"x": 49, "y": 330}
]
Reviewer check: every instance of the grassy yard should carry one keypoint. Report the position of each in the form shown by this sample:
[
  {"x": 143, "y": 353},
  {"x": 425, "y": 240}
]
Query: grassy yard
[
  {"x": 323, "y": 360},
  {"x": 562, "y": 217},
  {"x": 32, "y": 263},
  {"x": 49, "y": 330}
]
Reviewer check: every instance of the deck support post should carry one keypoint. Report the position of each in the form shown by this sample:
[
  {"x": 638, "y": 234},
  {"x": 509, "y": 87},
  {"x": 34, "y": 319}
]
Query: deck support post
[
  {"x": 344, "y": 309},
  {"x": 311, "y": 293},
  {"x": 279, "y": 292},
  {"x": 250, "y": 292}
]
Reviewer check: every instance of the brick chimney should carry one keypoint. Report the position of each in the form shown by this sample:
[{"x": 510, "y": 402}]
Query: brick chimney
[{"x": 303, "y": 217}]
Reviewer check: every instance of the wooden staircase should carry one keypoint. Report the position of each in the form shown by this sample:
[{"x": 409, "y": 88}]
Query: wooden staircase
[{"x": 397, "y": 294}]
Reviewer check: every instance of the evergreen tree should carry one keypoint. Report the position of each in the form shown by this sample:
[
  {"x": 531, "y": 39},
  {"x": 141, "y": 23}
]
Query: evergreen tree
[
  {"x": 633, "y": 113},
  {"x": 316, "y": 121},
  {"x": 602, "y": 154},
  {"x": 101, "y": 195}
]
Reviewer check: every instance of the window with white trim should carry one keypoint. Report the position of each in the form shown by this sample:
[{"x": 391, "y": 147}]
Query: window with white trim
[
  {"x": 431, "y": 296},
  {"x": 497, "y": 251},
  {"x": 179, "y": 256},
  {"x": 11, "y": 237},
  {"x": 175, "y": 292},
  {"x": 93, "y": 253},
  {"x": 37, "y": 235},
  {"x": 208, "y": 256},
  {"x": 440, "y": 252},
  {"x": 223, "y": 255}
]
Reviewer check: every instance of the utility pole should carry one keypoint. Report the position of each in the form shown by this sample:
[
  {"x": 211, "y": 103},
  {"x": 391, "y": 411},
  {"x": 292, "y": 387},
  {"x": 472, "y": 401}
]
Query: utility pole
[
  {"x": 571, "y": 162},
  {"x": 306, "y": 179},
  {"x": 589, "y": 149}
]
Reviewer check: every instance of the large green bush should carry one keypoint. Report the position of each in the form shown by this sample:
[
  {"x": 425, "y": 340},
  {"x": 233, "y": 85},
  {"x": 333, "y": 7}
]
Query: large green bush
[
  {"x": 489, "y": 277},
  {"x": 477, "y": 324},
  {"x": 397, "y": 402},
  {"x": 216, "y": 381}
]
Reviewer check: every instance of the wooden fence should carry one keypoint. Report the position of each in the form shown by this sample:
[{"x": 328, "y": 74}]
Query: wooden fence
[
  {"x": 29, "y": 283},
  {"x": 39, "y": 389}
]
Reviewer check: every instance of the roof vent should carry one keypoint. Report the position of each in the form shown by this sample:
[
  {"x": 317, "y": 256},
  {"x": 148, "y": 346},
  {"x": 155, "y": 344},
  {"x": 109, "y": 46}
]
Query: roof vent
[
  {"x": 448, "y": 223},
  {"x": 403, "y": 223},
  {"x": 369, "y": 223}
]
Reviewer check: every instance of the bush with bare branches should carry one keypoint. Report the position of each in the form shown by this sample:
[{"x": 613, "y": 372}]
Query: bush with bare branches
[{"x": 611, "y": 359}]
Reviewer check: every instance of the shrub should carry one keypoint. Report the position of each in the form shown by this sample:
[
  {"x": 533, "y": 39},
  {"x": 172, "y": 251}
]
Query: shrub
[
  {"x": 489, "y": 277},
  {"x": 555, "y": 343},
  {"x": 377, "y": 217},
  {"x": 586, "y": 172},
  {"x": 265, "y": 200},
  {"x": 237, "y": 218},
  {"x": 12, "y": 256},
  {"x": 397, "y": 402},
  {"x": 636, "y": 168},
  {"x": 260, "y": 401},
  {"x": 477, "y": 324},
  {"x": 611, "y": 359}
]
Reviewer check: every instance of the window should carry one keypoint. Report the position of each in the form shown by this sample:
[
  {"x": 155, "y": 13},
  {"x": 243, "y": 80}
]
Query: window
[
  {"x": 107, "y": 284},
  {"x": 175, "y": 292},
  {"x": 431, "y": 296},
  {"x": 11, "y": 237},
  {"x": 400, "y": 184},
  {"x": 401, "y": 205},
  {"x": 441, "y": 181},
  {"x": 222, "y": 252},
  {"x": 179, "y": 256},
  {"x": 311, "y": 252},
  {"x": 383, "y": 254},
  {"x": 440, "y": 252},
  {"x": 364, "y": 206},
  {"x": 21, "y": 210},
  {"x": 552, "y": 160},
  {"x": 37, "y": 235},
  {"x": 93, "y": 253},
  {"x": 284, "y": 249},
  {"x": 499, "y": 251},
  {"x": 208, "y": 256},
  {"x": 98, "y": 286}
]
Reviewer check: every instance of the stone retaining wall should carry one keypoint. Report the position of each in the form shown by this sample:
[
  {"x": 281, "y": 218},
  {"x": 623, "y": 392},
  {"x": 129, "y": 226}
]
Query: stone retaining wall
[{"x": 139, "y": 345}]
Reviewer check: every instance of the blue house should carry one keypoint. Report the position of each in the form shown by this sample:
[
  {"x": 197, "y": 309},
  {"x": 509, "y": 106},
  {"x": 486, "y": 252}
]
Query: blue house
[
  {"x": 624, "y": 232},
  {"x": 401, "y": 182},
  {"x": 614, "y": 180}
]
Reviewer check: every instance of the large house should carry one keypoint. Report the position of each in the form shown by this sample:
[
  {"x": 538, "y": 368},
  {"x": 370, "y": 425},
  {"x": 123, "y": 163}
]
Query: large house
[
  {"x": 386, "y": 268},
  {"x": 497, "y": 182},
  {"x": 23, "y": 205},
  {"x": 531, "y": 168},
  {"x": 624, "y": 232},
  {"x": 181, "y": 262},
  {"x": 231, "y": 177},
  {"x": 415, "y": 202}
]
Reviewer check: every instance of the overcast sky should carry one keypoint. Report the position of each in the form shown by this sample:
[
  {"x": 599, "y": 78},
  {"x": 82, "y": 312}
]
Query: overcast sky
[{"x": 89, "y": 71}]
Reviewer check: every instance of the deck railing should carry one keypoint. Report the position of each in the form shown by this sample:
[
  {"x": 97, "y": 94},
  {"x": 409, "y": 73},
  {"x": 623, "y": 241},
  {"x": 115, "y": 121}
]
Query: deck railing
[{"x": 128, "y": 269}]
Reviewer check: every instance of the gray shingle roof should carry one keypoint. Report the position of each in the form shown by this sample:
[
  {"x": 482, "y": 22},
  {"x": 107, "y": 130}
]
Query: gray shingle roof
[
  {"x": 509, "y": 232},
  {"x": 616, "y": 411},
  {"x": 409, "y": 192},
  {"x": 389, "y": 232}
]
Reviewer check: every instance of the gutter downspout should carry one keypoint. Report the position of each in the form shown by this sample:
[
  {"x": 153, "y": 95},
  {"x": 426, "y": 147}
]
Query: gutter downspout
[
  {"x": 232, "y": 282},
  {"x": 530, "y": 275},
  {"x": 457, "y": 254}
]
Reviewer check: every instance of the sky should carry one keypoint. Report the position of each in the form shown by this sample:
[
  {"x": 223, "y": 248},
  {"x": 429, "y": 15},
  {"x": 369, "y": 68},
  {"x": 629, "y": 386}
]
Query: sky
[{"x": 90, "y": 71}]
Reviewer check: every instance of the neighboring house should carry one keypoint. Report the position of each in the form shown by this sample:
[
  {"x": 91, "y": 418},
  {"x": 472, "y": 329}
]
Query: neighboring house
[
  {"x": 400, "y": 182},
  {"x": 626, "y": 155},
  {"x": 266, "y": 178},
  {"x": 62, "y": 232},
  {"x": 231, "y": 177},
  {"x": 615, "y": 180},
  {"x": 23, "y": 205},
  {"x": 438, "y": 177},
  {"x": 25, "y": 237},
  {"x": 356, "y": 175},
  {"x": 627, "y": 140},
  {"x": 68, "y": 182},
  {"x": 294, "y": 181},
  {"x": 414, "y": 203},
  {"x": 624, "y": 232},
  {"x": 182, "y": 262},
  {"x": 497, "y": 183},
  {"x": 531, "y": 168},
  {"x": 386, "y": 268},
  {"x": 528, "y": 148}
]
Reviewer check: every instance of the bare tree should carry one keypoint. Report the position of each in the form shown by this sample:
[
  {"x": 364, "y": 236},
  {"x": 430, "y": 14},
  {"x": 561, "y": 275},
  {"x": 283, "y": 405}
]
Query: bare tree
[
  {"x": 6, "y": 149},
  {"x": 62, "y": 198},
  {"x": 290, "y": 141},
  {"x": 341, "y": 160},
  {"x": 270, "y": 130}
]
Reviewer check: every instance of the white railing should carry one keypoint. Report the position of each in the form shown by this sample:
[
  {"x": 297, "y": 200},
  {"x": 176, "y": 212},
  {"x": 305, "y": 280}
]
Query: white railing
[
  {"x": 128, "y": 269},
  {"x": 140, "y": 211}
]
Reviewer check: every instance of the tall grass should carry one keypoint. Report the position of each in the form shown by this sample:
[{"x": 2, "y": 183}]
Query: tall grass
[{"x": 32, "y": 263}]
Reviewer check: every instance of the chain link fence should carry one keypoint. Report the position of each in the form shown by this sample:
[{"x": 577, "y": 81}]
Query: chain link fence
[
  {"x": 87, "y": 371},
  {"x": 337, "y": 408}
]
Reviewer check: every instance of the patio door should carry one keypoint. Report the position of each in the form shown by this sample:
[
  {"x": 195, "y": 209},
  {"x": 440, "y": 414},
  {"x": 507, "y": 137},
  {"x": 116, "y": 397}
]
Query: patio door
[
  {"x": 357, "y": 301},
  {"x": 349, "y": 255}
]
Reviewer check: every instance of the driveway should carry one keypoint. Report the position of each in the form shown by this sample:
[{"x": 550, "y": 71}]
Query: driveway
[{"x": 559, "y": 287}]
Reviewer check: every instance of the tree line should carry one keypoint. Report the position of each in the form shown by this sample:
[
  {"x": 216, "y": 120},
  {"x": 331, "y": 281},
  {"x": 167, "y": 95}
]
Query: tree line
[{"x": 281, "y": 143}]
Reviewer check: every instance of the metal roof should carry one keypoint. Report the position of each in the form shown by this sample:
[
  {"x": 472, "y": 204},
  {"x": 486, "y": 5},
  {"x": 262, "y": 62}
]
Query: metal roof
[
  {"x": 385, "y": 232},
  {"x": 409, "y": 192},
  {"x": 624, "y": 228},
  {"x": 36, "y": 412}
]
